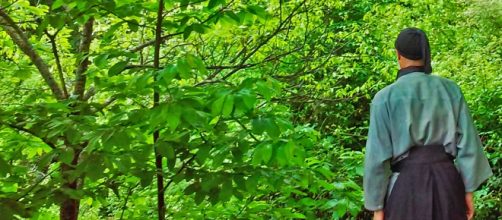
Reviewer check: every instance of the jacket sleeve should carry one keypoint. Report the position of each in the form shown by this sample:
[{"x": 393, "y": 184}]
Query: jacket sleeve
[
  {"x": 377, "y": 157},
  {"x": 471, "y": 162}
]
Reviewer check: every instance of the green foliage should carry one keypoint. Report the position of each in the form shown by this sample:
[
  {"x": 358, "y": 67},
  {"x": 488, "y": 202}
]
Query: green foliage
[{"x": 263, "y": 107}]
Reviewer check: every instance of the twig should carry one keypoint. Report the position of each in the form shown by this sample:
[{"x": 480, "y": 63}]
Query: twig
[
  {"x": 246, "y": 129},
  {"x": 245, "y": 205},
  {"x": 171, "y": 179},
  {"x": 36, "y": 184},
  {"x": 129, "y": 192}
]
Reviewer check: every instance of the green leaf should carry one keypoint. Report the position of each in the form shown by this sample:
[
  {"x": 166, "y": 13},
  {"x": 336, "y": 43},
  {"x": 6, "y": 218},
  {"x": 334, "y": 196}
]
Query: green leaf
[
  {"x": 101, "y": 60},
  {"x": 57, "y": 4},
  {"x": 272, "y": 129},
  {"x": 201, "y": 29},
  {"x": 297, "y": 215},
  {"x": 186, "y": 33},
  {"x": 214, "y": 3},
  {"x": 66, "y": 155},
  {"x": 284, "y": 124},
  {"x": 226, "y": 191},
  {"x": 192, "y": 188},
  {"x": 257, "y": 10},
  {"x": 146, "y": 177},
  {"x": 111, "y": 31},
  {"x": 8, "y": 187},
  {"x": 281, "y": 156},
  {"x": 22, "y": 73},
  {"x": 94, "y": 168},
  {"x": 56, "y": 20},
  {"x": 265, "y": 90},
  {"x": 252, "y": 183},
  {"x": 133, "y": 26},
  {"x": 183, "y": 69},
  {"x": 4, "y": 167},
  {"x": 45, "y": 160},
  {"x": 117, "y": 68},
  {"x": 173, "y": 116},
  {"x": 233, "y": 16},
  {"x": 228, "y": 106},
  {"x": 217, "y": 106},
  {"x": 256, "y": 161},
  {"x": 262, "y": 154},
  {"x": 215, "y": 120},
  {"x": 199, "y": 197},
  {"x": 289, "y": 151},
  {"x": 196, "y": 63},
  {"x": 248, "y": 98},
  {"x": 165, "y": 149},
  {"x": 202, "y": 154},
  {"x": 259, "y": 125}
]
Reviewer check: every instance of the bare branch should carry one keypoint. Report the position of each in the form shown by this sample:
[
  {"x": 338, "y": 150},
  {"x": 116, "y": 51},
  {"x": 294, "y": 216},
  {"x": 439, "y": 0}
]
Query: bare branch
[
  {"x": 22, "y": 42},
  {"x": 85, "y": 43}
]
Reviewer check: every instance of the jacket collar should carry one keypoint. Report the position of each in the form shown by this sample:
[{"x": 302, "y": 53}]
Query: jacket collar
[{"x": 410, "y": 69}]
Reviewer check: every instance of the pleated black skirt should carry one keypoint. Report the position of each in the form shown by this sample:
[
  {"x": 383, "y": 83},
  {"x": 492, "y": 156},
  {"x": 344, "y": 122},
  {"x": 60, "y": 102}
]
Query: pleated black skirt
[{"x": 428, "y": 187}]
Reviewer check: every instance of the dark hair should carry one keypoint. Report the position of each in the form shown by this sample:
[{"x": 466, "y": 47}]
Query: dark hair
[{"x": 413, "y": 44}]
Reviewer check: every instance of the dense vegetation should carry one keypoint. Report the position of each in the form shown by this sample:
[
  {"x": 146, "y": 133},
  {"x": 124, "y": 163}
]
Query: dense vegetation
[{"x": 219, "y": 109}]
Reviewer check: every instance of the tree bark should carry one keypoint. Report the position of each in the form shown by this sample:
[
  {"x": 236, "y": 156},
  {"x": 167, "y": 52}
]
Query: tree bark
[{"x": 70, "y": 207}]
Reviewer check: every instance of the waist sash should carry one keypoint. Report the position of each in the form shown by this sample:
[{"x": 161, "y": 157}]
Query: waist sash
[{"x": 420, "y": 155}]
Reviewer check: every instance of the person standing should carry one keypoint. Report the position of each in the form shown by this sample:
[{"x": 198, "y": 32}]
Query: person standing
[{"x": 424, "y": 157}]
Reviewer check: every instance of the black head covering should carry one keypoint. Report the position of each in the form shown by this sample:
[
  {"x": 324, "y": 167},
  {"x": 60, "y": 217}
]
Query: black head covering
[{"x": 413, "y": 44}]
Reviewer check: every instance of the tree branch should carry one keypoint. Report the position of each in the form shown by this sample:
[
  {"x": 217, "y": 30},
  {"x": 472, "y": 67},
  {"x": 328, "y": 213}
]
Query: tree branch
[
  {"x": 36, "y": 184},
  {"x": 19, "y": 128},
  {"x": 52, "y": 39},
  {"x": 129, "y": 192},
  {"x": 152, "y": 42},
  {"x": 266, "y": 40},
  {"x": 90, "y": 92},
  {"x": 22, "y": 42},
  {"x": 246, "y": 129},
  {"x": 165, "y": 37},
  {"x": 83, "y": 65}
]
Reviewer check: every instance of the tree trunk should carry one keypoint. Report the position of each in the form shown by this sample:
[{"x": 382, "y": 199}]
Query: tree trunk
[
  {"x": 70, "y": 207},
  {"x": 161, "y": 207}
]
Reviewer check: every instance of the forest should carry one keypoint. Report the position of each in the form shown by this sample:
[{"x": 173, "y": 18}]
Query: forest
[{"x": 219, "y": 109}]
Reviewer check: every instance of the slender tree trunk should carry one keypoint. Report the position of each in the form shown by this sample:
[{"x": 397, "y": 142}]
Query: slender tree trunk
[
  {"x": 161, "y": 207},
  {"x": 69, "y": 207}
]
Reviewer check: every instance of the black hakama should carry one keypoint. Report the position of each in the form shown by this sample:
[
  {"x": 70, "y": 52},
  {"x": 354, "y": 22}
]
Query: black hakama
[{"x": 428, "y": 187}]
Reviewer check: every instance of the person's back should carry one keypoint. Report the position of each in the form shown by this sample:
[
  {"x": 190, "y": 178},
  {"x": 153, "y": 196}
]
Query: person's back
[
  {"x": 421, "y": 107},
  {"x": 418, "y": 126}
]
